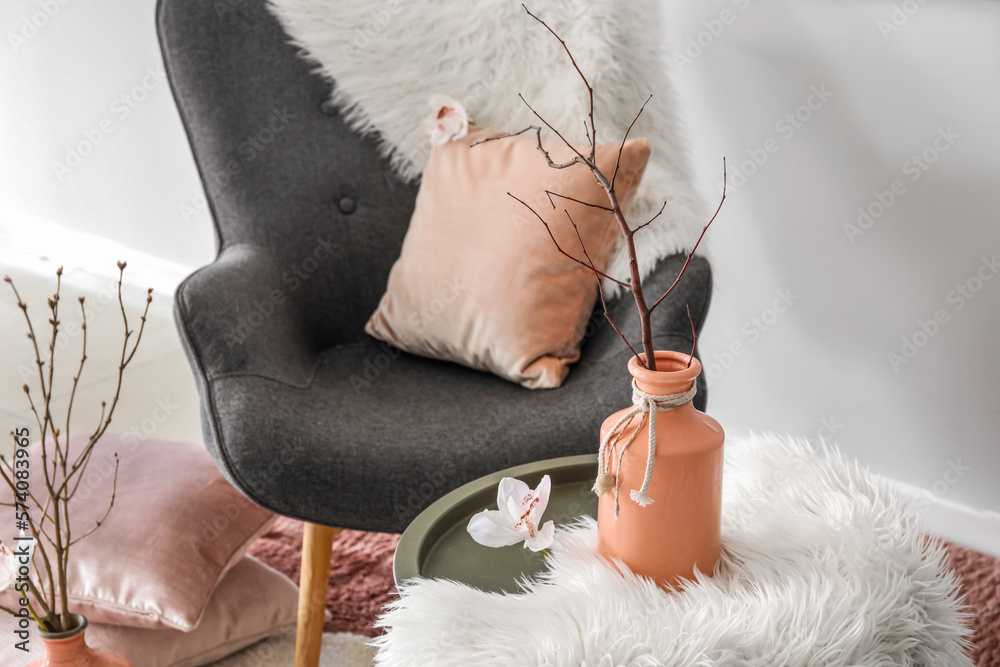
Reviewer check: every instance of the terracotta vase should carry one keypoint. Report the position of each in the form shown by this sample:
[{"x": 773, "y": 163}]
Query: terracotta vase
[
  {"x": 69, "y": 649},
  {"x": 680, "y": 530}
]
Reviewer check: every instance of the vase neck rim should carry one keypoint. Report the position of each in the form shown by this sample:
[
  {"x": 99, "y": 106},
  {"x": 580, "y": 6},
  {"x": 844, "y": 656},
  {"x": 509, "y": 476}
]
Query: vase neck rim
[
  {"x": 80, "y": 625},
  {"x": 672, "y": 375}
]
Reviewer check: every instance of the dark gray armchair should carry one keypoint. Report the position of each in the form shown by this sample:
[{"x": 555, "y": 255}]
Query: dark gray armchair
[{"x": 301, "y": 410}]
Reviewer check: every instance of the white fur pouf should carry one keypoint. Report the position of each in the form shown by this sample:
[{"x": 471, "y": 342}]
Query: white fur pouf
[{"x": 821, "y": 566}]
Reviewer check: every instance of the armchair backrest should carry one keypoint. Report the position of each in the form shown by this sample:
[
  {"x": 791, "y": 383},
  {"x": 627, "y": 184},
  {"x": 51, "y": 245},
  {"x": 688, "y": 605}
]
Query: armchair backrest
[{"x": 280, "y": 171}]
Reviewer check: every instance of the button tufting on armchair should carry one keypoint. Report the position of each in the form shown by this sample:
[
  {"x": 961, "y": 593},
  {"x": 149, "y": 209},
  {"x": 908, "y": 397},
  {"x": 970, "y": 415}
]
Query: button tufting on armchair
[{"x": 301, "y": 410}]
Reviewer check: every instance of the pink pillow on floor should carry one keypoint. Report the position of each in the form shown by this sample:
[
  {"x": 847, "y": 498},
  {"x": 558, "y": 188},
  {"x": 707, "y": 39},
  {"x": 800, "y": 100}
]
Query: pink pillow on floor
[
  {"x": 479, "y": 281},
  {"x": 176, "y": 528},
  {"x": 251, "y": 602}
]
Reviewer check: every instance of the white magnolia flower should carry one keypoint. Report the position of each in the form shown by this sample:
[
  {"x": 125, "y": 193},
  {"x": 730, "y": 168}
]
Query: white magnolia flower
[
  {"x": 8, "y": 568},
  {"x": 448, "y": 120},
  {"x": 518, "y": 517},
  {"x": 10, "y": 562}
]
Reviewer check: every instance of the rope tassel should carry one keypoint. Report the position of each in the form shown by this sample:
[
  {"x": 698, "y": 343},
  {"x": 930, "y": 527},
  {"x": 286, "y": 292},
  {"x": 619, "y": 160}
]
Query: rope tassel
[{"x": 643, "y": 403}]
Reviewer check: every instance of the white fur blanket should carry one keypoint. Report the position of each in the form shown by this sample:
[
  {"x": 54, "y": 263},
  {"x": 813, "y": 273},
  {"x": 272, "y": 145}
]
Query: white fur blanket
[
  {"x": 821, "y": 566},
  {"x": 388, "y": 57}
]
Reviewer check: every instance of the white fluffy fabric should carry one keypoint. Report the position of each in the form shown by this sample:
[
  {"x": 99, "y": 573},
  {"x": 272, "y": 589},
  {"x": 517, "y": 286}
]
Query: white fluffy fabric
[
  {"x": 388, "y": 57},
  {"x": 821, "y": 566}
]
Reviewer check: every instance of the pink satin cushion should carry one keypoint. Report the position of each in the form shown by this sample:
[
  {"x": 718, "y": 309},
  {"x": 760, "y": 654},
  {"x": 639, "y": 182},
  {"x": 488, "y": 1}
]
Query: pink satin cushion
[
  {"x": 479, "y": 281},
  {"x": 251, "y": 602},
  {"x": 176, "y": 528}
]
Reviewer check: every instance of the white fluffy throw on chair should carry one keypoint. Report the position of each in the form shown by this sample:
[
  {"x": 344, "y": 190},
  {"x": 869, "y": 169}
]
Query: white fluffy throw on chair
[
  {"x": 388, "y": 57},
  {"x": 821, "y": 566}
]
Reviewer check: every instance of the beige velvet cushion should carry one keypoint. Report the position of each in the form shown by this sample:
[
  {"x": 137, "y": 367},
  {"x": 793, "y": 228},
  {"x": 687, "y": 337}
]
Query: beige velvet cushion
[
  {"x": 251, "y": 602},
  {"x": 479, "y": 282},
  {"x": 176, "y": 528}
]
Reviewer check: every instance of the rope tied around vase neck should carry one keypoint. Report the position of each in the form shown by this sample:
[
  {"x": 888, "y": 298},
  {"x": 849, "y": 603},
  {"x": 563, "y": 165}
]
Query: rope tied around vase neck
[{"x": 643, "y": 403}]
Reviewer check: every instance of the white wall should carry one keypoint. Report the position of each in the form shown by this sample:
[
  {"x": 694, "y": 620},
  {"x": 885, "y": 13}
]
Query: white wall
[
  {"x": 85, "y": 77},
  {"x": 823, "y": 366},
  {"x": 819, "y": 368}
]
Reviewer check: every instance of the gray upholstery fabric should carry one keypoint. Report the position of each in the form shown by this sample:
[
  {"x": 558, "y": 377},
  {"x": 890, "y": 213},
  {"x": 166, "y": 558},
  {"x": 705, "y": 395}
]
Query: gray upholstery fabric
[{"x": 301, "y": 410}]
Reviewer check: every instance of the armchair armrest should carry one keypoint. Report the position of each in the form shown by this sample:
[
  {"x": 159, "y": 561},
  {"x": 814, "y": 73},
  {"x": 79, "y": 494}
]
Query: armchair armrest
[{"x": 237, "y": 317}]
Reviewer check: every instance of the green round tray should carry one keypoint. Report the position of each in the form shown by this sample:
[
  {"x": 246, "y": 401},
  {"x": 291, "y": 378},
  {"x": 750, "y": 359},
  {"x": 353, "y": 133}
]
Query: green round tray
[{"x": 437, "y": 544}]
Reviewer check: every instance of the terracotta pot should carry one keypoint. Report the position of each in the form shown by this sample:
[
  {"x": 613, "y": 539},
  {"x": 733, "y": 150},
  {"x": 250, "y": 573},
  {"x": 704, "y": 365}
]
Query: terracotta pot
[
  {"x": 69, "y": 649},
  {"x": 680, "y": 530}
]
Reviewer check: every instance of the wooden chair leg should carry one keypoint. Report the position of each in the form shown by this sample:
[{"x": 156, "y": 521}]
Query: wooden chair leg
[{"x": 317, "y": 547}]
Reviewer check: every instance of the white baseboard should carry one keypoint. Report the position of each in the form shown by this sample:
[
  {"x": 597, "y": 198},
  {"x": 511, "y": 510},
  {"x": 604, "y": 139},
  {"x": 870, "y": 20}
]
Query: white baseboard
[
  {"x": 39, "y": 245},
  {"x": 962, "y": 524}
]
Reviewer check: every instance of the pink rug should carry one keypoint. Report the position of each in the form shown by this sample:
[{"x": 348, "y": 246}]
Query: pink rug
[
  {"x": 360, "y": 572},
  {"x": 361, "y": 581},
  {"x": 980, "y": 575}
]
